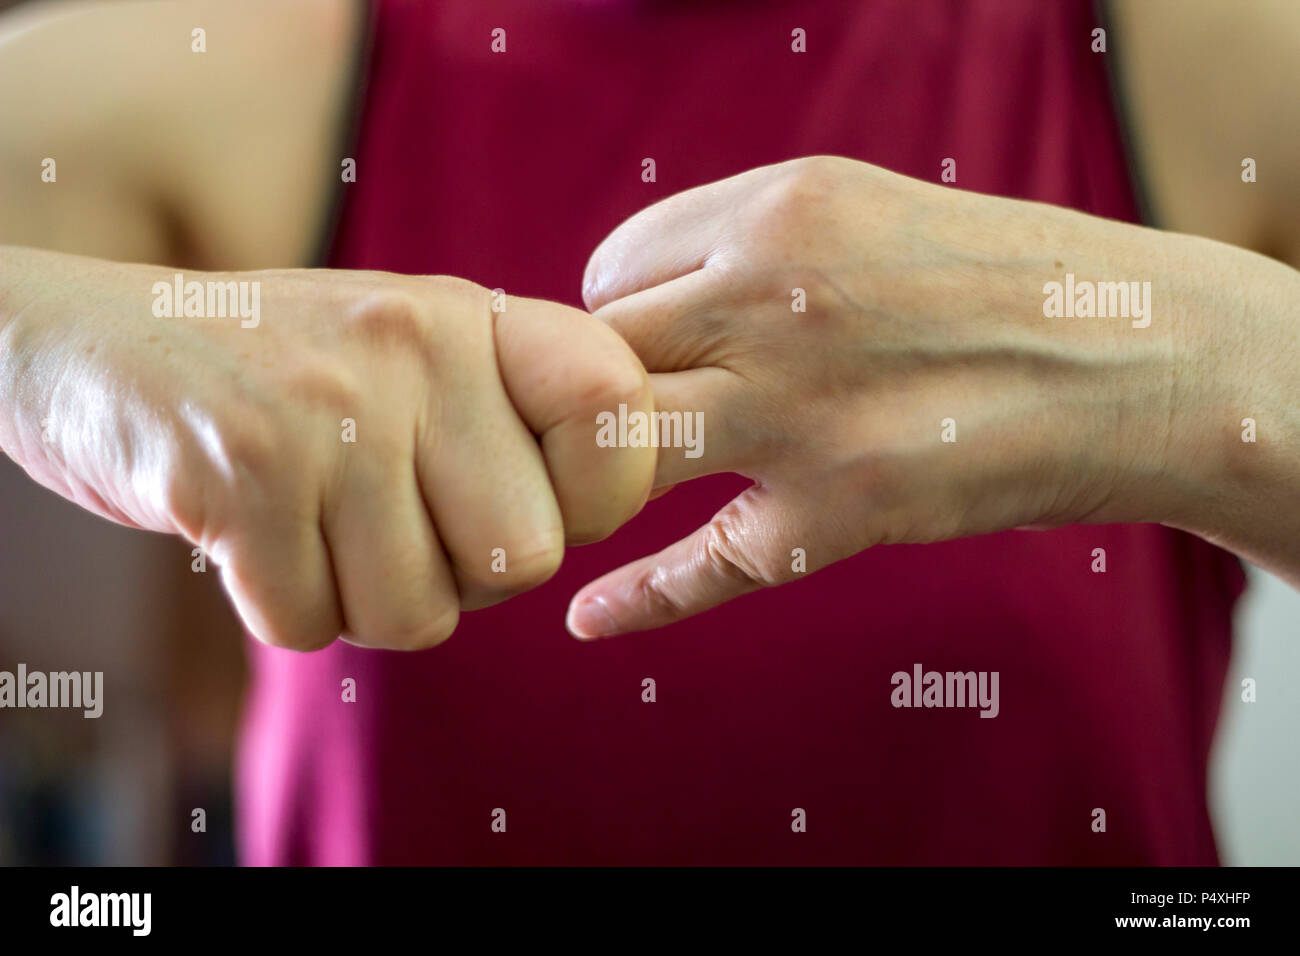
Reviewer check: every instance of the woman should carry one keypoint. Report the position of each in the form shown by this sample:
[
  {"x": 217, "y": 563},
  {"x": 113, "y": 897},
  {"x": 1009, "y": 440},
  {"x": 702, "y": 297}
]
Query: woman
[{"x": 922, "y": 394}]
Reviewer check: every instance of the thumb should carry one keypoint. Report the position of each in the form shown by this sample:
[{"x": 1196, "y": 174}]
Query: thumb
[{"x": 745, "y": 546}]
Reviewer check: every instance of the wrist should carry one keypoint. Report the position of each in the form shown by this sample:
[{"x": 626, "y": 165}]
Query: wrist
[{"x": 1233, "y": 454}]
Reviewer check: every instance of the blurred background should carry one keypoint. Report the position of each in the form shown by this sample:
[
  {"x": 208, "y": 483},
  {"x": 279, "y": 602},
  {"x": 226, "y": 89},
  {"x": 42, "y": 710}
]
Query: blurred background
[{"x": 80, "y": 593}]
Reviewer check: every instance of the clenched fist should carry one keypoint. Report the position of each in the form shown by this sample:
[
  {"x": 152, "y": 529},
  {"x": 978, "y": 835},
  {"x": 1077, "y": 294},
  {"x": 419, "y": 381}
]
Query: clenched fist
[{"x": 368, "y": 457}]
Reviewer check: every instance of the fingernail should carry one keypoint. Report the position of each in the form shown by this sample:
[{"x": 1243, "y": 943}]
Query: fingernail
[{"x": 591, "y": 618}]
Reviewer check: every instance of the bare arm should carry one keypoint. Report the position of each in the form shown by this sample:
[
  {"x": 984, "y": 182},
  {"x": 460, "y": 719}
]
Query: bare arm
[
  {"x": 1209, "y": 85},
  {"x": 219, "y": 160}
]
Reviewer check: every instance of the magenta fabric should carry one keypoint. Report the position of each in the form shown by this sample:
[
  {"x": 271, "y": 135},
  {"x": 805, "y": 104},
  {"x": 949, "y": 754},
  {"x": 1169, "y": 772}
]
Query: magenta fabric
[{"x": 507, "y": 169}]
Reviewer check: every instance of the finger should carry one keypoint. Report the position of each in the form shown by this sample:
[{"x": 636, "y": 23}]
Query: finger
[
  {"x": 484, "y": 480},
  {"x": 676, "y": 325},
  {"x": 396, "y": 586},
  {"x": 740, "y": 550},
  {"x": 678, "y": 341},
  {"x": 690, "y": 427},
  {"x": 280, "y": 579},
  {"x": 562, "y": 370},
  {"x": 672, "y": 238}
]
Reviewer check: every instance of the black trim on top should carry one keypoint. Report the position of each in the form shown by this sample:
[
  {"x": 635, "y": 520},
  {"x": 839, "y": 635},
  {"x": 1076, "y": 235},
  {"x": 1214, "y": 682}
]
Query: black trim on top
[
  {"x": 1124, "y": 118},
  {"x": 365, "y": 20}
]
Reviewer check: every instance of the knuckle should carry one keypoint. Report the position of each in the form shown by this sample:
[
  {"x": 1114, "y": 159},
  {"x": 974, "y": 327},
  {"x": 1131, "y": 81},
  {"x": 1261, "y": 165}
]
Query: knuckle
[
  {"x": 819, "y": 173},
  {"x": 793, "y": 212},
  {"x": 457, "y": 288},
  {"x": 248, "y": 447},
  {"x": 484, "y": 589},
  {"x": 656, "y": 594},
  {"x": 212, "y": 461},
  {"x": 791, "y": 218},
  {"x": 537, "y": 567},
  {"x": 386, "y": 312},
  {"x": 805, "y": 184},
  {"x": 395, "y": 319},
  {"x": 237, "y": 442},
  {"x": 614, "y": 383},
  {"x": 326, "y": 385},
  {"x": 724, "y": 551}
]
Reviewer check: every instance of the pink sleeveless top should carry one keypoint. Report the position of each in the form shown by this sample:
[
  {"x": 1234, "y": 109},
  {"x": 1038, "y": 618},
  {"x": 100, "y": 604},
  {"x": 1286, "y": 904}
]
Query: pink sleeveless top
[{"x": 507, "y": 169}]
